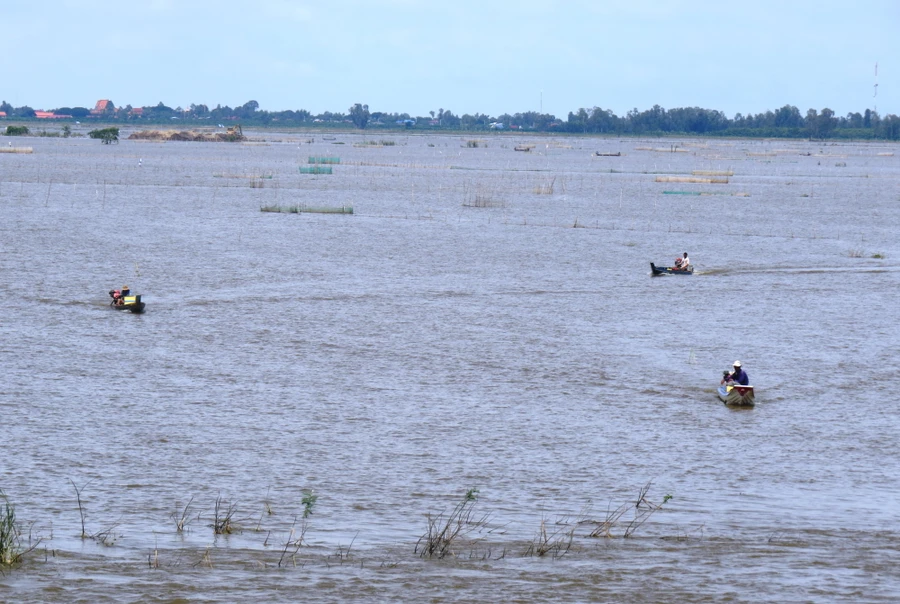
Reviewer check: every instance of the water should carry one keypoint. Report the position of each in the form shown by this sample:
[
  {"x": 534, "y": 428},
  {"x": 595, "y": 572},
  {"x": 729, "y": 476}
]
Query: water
[{"x": 456, "y": 332}]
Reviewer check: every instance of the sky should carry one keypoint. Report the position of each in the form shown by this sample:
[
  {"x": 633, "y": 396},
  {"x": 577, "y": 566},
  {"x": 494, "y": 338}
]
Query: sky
[{"x": 466, "y": 56}]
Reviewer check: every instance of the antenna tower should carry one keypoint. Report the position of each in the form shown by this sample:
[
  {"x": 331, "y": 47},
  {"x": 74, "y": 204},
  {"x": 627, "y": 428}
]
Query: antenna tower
[{"x": 875, "y": 105}]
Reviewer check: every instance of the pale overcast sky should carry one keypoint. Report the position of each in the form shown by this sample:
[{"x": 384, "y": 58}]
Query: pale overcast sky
[{"x": 468, "y": 56}]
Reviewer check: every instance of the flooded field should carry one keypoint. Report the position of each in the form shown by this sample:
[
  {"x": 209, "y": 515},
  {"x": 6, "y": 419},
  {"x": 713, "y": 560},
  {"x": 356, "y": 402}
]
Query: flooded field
[{"x": 483, "y": 323}]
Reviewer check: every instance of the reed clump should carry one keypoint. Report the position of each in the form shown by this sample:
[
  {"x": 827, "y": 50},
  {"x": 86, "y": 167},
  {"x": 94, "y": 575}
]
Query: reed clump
[
  {"x": 11, "y": 549},
  {"x": 181, "y": 515},
  {"x": 301, "y": 209},
  {"x": 444, "y": 532},
  {"x": 545, "y": 188},
  {"x": 485, "y": 201},
  {"x": 223, "y": 517},
  {"x": 556, "y": 542},
  {"x": 642, "y": 509}
]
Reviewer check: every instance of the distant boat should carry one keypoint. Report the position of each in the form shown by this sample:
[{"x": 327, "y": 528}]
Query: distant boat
[
  {"x": 736, "y": 395},
  {"x": 130, "y": 303},
  {"x": 665, "y": 270},
  {"x": 607, "y": 154}
]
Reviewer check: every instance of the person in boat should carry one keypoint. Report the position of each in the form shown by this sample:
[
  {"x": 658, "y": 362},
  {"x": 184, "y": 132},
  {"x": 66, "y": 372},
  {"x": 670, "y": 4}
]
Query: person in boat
[
  {"x": 119, "y": 295},
  {"x": 738, "y": 376},
  {"x": 682, "y": 263}
]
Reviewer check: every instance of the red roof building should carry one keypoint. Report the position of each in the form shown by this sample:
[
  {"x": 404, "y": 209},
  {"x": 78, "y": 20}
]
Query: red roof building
[{"x": 101, "y": 107}]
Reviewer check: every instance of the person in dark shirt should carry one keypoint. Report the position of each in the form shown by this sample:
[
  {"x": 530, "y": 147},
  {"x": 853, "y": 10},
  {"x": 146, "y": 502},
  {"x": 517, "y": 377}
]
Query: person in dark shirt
[{"x": 738, "y": 376}]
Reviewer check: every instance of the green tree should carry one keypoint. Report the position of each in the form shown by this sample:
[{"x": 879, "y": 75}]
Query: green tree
[
  {"x": 812, "y": 123},
  {"x": 359, "y": 115},
  {"x": 788, "y": 117},
  {"x": 107, "y": 135},
  {"x": 826, "y": 123}
]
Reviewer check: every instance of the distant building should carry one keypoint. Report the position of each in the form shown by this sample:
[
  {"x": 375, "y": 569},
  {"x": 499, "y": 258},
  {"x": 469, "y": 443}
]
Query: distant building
[
  {"x": 137, "y": 111},
  {"x": 2, "y": 114},
  {"x": 49, "y": 115},
  {"x": 102, "y": 107}
]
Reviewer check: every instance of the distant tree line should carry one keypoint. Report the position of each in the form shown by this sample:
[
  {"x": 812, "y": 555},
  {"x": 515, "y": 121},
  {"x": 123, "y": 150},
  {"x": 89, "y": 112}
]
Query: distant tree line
[{"x": 786, "y": 122}]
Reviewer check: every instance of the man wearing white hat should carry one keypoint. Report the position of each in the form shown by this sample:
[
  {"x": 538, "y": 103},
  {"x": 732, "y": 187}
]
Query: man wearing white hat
[{"x": 738, "y": 375}]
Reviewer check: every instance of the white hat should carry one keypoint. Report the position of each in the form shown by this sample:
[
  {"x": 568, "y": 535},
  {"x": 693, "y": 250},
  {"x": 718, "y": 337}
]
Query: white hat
[{"x": 737, "y": 363}]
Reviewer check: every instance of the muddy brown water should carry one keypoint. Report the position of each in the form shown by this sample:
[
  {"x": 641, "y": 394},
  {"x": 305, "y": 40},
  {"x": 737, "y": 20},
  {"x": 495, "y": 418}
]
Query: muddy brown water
[{"x": 484, "y": 319}]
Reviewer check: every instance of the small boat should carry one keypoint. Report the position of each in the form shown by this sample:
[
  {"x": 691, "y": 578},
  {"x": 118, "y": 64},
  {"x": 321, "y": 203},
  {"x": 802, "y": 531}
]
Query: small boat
[
  {"x": 666, "y": 270},
  {"x": 130, "y": 303},
  {"x": 736, "y": 395},
  {"x": 607, "y": 154}
]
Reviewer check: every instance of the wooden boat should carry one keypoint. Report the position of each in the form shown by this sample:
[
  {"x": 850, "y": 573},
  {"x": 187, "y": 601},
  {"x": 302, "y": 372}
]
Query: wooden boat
[
  {"x": 666, "y": 270},
  {"x": 607, "y": 154},
  {"x": 130, "y": 303},
  {"x": 735, "y": 395}
]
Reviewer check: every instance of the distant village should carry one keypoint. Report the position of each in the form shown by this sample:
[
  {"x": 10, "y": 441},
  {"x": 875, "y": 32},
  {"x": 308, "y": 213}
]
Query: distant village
[{"x": 786, "y": 122}]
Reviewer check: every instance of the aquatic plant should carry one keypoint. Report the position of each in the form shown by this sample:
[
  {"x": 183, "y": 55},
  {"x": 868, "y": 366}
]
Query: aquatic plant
[
  {"x": 308, "y": 502},
  {"x": 557, "y": 542},
  {"x": 181, "y": 515},
  {"x": 106, "y": 536},
  {"x": 294, "y": 542},
  {"x": 84, "y": 534},
  {"x": 11, "y": 549},
  {"x": 223, "y": 517},
  {"x": 442, "y": 533},
  {"x": 642, "y": 507},
  {"x": 545, "y": 188}
]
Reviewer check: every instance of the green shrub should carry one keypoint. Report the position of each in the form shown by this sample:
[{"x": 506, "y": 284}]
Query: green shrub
[
  {"x": 107, "y": 135},
  {"x": 16, "y": 130}
]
